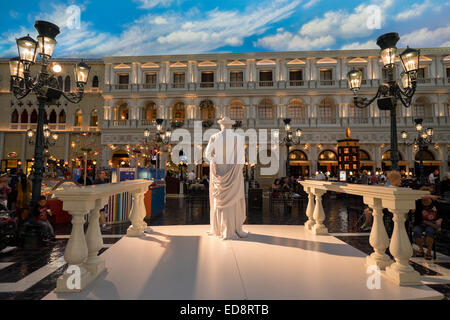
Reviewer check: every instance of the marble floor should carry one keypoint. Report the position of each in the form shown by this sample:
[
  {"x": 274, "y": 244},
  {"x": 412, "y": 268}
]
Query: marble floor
[{"x": 30, "y": 272}]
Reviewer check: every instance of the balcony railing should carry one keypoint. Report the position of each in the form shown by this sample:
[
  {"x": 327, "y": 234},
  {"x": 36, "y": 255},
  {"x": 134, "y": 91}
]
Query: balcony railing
[
  {"x": 358, "y": 120},
  {"x": 178, "y": 85},
  {"x": 121, "y": 86},
  {"x": 423, "y": 80},
  {"x": 120, "y": 123},
  {"x": 147, "y": 122},
  {"x": 148, "y": 85},
  {"x": 266, "y": 83},
  {"x": 327, "y": 82},
  {"x": 236, "y": 84},
  {"x": 296, "y": 83},
  {"x": 327, "y": 120},
  {"x": 206, "y": 84}
]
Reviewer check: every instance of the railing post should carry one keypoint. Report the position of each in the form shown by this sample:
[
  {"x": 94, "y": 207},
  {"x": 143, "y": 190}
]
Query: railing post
[
  {"x": 319, "y": 215},
  {"x": 94, "y": 264},
  {"x": 378, "y": 239},
  {"x": 137, "y": 215},
  {"x": 310, "y": 209},
  {"x": 401, "y": 272},
  {"x": 75, "y": 254}
]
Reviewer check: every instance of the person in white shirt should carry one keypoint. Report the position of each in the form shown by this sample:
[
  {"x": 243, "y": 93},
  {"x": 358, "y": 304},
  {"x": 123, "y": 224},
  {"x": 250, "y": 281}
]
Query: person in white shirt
[{"x": 191, "y": 176}]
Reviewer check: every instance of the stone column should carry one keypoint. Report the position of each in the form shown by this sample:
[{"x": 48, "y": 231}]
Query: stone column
[
  {"x": 319, "y": 214},
  {"x": 2, "y": 145},
  {"x": 94, "y": 264},
  {"x": 66, "y": 147},
  {"x": 75, "y": 254},
  {"x": 401, "y": 272},
  {"x": 310, "y": 209},
  {"x": 378, "y": 236},
  {"x": 24, "y": 149},
  {"x": 137, "y": 215}
]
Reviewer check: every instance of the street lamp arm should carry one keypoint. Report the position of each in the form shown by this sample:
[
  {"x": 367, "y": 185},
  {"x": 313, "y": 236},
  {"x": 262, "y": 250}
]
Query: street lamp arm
[
  {"x": 74, "y": 97},
  {"x": 363, "y": 102},
  {"x": 406, "y": 95}
]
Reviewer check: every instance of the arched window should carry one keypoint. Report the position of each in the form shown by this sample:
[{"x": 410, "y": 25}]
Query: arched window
[
  {"x": 178, "y": 111},
  {"x": 236, "y": 110},
  {"x": 326, "y": 112},
  {"x": 363, "y": 155},
  {"x": 34, "y": 116},
  {"x": 123, "y": 112},
  {"x": 24, "y": 117},
  {"x": 426, "y": 155},
  {"x": 422, "y": 108},
  {"x": 93, "y": 122},
  {"x": 207, "y": 111},
  {"x": 95, "y": 82},
  {"x": 67, "y": 84},
  {"x": 62, "y": 117},
  {"x": 297, "y": 155},
  {"x": 296, "y": 110},
  {"x": 60, "y": 82},
  {"x": 265, "y": 109},
  {"x": 15, "y": 116},
  {"x": 78, "y": 120},
  {"x": 327, "y": 155},
  {"x": 52, "y": 118},
  {"x": 150, "y": 111},
  {"x": 387, "y": 156}
]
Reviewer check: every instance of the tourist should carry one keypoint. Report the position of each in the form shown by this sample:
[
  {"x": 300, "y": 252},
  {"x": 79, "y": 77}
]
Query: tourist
[
  {"x": 433, "y": 178},
  {"x": 364, "y": 177},
  {"x": 428, "y": 220},
  {"x": 276, "y": 185},
  {"x": 445, "y": 187},
  {"x": 394, "y": 179},
  {"x": 191, "y": 176},
  {"x": 42, "y": 219},
  {"x": 374, "y": 179},
  {"x": 286, "y": 185},
  {"x": 24, "y": 188},
  {"x": 381, "y": 178},
  {"x": 5, "y": 190},
  {"x": 13, "y": 180},
  {"x": 321, "y": 176},
  {"x": 101, "y": 179}
]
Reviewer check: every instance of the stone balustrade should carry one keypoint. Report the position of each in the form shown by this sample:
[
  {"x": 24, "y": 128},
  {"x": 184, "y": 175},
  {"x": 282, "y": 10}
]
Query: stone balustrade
[
  {"x": 397, "y": 200},
  {"x": 81, "y": 253}
]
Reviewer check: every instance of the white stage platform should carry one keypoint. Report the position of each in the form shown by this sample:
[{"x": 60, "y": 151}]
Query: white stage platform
[{"x": 275, "y": 262}]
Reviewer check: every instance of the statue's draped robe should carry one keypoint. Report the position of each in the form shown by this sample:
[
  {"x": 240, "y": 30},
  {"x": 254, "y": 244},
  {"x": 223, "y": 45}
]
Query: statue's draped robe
[{"x": 225, "y": 152}]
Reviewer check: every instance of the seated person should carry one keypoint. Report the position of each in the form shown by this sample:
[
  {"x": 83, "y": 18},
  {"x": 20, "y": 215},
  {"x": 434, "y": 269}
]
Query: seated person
[
  {"x": 42, "y": 219},
  {"x": 276, "y": 187},
  {"x": 427, "y": 218}
]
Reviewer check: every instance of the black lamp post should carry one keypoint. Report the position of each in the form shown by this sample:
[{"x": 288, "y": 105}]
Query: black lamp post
[
  {"x": 289, "y": 140},
  {"x": 390, "y": 92},
  {"x": 421, "y": 142},
  {"x": 160, "y": 137},
  {"x": 46, "y": 88}
]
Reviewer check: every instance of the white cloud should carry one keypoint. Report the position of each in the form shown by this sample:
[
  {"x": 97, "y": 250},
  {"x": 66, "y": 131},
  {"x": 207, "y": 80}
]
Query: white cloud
[
  {"x": 159, "y": 20},
  {"x": 148, "y": 4},
  {"x": 289, "y": 41},
  {"x": 415, "y": 11},
  {"x": 321, "y": 32},
  {"x": 427, "y": 38},
  {"x": 357, "y": 45},
  {"x": 310, "y": 4},
  {"x": 173, "y": 32}
]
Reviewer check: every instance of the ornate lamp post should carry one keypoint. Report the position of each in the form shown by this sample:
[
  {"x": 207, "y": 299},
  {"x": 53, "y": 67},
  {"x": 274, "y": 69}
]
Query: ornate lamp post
[
  {"x": 289, "y": 140},
  {"x": 390, "y": 93},
  {"x": 45, "y": 86},
  {"x": 161, "y": 137},
  {"x": 421, "y": 142}
]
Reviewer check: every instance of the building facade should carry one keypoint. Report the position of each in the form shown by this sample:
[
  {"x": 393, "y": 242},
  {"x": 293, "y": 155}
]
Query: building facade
[{"x": 259, "y": 90}]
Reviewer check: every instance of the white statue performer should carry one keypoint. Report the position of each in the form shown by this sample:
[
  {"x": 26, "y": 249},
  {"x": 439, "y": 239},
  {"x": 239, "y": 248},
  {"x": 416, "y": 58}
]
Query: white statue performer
[{"x": 226, "y": 155}]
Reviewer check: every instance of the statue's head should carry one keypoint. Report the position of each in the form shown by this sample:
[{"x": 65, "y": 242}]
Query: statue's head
[{"x": 225, "y": 123}]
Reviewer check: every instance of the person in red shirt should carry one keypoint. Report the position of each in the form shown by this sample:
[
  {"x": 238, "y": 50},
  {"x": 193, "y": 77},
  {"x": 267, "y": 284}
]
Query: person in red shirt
[{"x": 42, "y": 219}]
